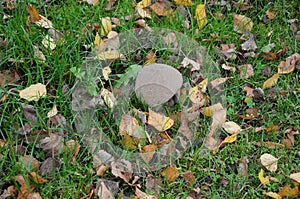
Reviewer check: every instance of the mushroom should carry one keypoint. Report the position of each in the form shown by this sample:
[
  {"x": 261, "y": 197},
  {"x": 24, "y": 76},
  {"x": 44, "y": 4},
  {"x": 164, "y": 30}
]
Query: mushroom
[{"x": 158, "y": 83}]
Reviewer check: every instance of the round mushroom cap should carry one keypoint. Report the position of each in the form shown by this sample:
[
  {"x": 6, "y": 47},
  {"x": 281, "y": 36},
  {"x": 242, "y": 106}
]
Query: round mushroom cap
[{"x": 157, "y": 83}]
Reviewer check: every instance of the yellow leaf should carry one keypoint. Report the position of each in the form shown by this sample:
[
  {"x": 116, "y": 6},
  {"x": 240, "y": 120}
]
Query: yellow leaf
[
  {"x": 33, "y": 92},
  {"x": 105, "y": 72},
  {"x": 143, "y": 13},
  {"x": 159, "y": 121},
  {"x": 106, "y": 26},
  {"x": 230, "y": 139},
  {"x": 143, "y": 4},
  {"x": 210, "y": 110},
  {"x": 271, "y": 81},
  {"x": 110, "y": 54},
  {"x": 52, "y": 112},
  {"x": 242, "y": 23},
  {"x": 263, "y": 180},
  {"x": 201, "y": 15},
  {"x": 97, "y": 40},
  {"x": 272, "y": 195},
  {"x": 108, "y": 97},
  {"x": 184, "y": 2}
]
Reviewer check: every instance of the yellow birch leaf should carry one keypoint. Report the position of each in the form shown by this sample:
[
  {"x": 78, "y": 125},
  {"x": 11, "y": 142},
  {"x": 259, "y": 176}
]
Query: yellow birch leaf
[
  {"x": 263, "y": 180},
  {"x": 184, "y": 2},
  {"x": 230, "y": 139},
  {"x": 33, "y": 92},
  {"x": 106, "y": 26},
  {"x": 97, "y": 40},
  {"x": 201, "y": 15},
  {"x": 242, "y": 23},
  {"x": 159, "y": 121},
  {"x": 272, "y": 195},
  {"x": 269, "y": 83},
  {"x": 143, "y": 4}
]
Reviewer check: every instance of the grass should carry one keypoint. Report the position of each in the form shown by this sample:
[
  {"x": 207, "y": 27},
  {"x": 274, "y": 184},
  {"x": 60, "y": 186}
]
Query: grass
[{"x": 215, "y": 174}]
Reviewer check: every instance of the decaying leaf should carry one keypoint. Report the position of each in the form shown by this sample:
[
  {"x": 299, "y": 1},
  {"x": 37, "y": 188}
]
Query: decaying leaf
[
  {"x": 218, "y": 83},
  {"x": 52, "y": 144},
  {"x": 269, "y": 161},
  {"x": 269, "y": 83},
  {"x": 8, "y": 77},
  {"x": 210, "y": 110},
  {"x": 106, "y": 71},
  {"x": 143, "y": 13},
  {"x": 73, "y": 147},
  {"x": 242, "y": 23},
  {"x": 272, "y": 195},
  {"x": 189, "y": 177},
  {"x": 38, "y": 179},
  {"x": 269, "y": 56},
  {"x": 49, "y": 42},
  {"x": 24, "y": 190},
  {"x": 243, "y": 166},
  {"x": 271, "y": 13},
  {"x": 288, "y": 191},
  {"x": 33, "y": 92},
  {"x": 106, "y": 26},
  {"x": 195, "y": 66},
  {"x": 246, "y": 71},
  {"x": 108, "y": 97},
  {"x": 30, "y": 162},
  {"x": 161, "y": 8},
  {"x": 231, "y": 127},
  {"x": 39, "y": 54},
  {"x": 270, "y": 145},
  {"x": 52, "y": 112},
  {"x": 106, "y": 189},
  {"x": 129, "y": 125},
  {"x": 201, "y": 16},
  {"x": 110, "y": 54},
  {"x": 123, "y": 169},
  {"x": 143, "y": 195},
  {"x": 49, "y": 166},
  {"x": 196, "y": 93},
  {"x": 295, "y": 176},
  {"x": 289, "y": 64},
  {"x": 170, "y": 173},
  {"x": 159, "y": 121},
  {"x": 144, "y": 4},
  {"x": 263, "y": 180},
  {"x": 153, "y": 184},
  {"x": 184, "y": 2}
]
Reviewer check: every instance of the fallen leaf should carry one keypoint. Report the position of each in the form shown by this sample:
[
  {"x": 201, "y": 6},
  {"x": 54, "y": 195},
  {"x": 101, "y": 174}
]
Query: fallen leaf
[
  {"x": 106, "y": 189},
  {"x": 243, "y": 166},
  {"x": 49, "y": 166},
  {"x": 271, "y": 13},
  {"x": 250, "y": 44},
  {"x": 201, "y": 16},
  {"x": 288, "y": 191},
  {"x": 129, "y": 125},
  {"x": 210, "y": 110},
  {"x": 72, "y": 147},
  {"x": 196, "y": 93},
  {"x": 48, "y": 42},
  {"x": 52, "y": 144},
  {"x": 295, "y": 176},
  {"x": 263, "y": 180},
  {"x": 34, "y": 14},
  {"x": 229, "y": 139},
  {"x": 246, "y": 71},
  {"x": 109, "y": 4},
  {"x": 272, "y": 195},
  {"x": 161, "y": 8},
  {"x": 97, "y": 40},
  {"x": 227, "y": 67},
  {"x": 144, "y": 4},
  {"x": 242, "y": 23},
  {"x": 128, "y": 142},
  {"x": 110, "y": 54},
  {"x": 153, "y": 184},
  {"x": 189, "y": 177},
  {"x": 269, "y": 161},
  {"x": 91, "y": 2},
  {"x": 142, "y": 195},
  {"x": 149, "y": 148},
  {"x": 108, "y": 97},
  {"x": 269, "y": 56},
  {"x": 8, "y": 77},
  {"x": 218, "y": 83},
  {"x": 122, "y": 169},
  {"x": 29, "y": 112},
  {"x": 24, "y": 190},
  {"x": 33, "y": 92},
  {"x": 184, "y": 2},
  {"x": 249, "y": 91},
  {"x": 270, "y": 145},
  {"x": 38, "y": 179},
  {"x": 30, "y": 162},
  {"x": 39, "y": 54},
  {"x": 231, "y": 127},
  {"x": 105, "y": 72},
  {"x": 289, "y": 65},
  {"x": 269, "y": 83},
  {"x": 159, "y": 121},
  {"x": 143, "y": 13},
  {"x": 101, "y": 170},
  {"x": 195, "y": 65},
  {"x": 106, "y": 26},
  {"x": 170, "y": 173},
  {"x": 52, "y": 112},
  {"x": 268, "y": 47}
]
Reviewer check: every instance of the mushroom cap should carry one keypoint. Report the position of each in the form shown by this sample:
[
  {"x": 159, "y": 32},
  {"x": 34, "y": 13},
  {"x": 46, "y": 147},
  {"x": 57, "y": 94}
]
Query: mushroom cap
[{"x": 157, "y": 83}]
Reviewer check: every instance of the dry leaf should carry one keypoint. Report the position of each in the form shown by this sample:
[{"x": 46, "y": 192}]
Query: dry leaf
[
  {"x": 269, "y": 161},
  {"x": 269, "y": 83},
  {"x": 44, "y": 22},
  {"x": 243, "y": 166},
  {"x": 48, "y": 42},
  {"x": 246, "y": 71},
  {"x": 144, "y": 4},
  {"x": 73, "y": 146},
  {"x": 295, "y": 176},
  {"x": 231, "y": 127},
  {"x": 249, "y": 91},
  {"x": 159, "y": 121},
  {"x": 189, "y": 177},
  {"x": 263, "y": 180},
  {"x": 106, "y": 189},
  {"x": 30, "y": 162},
  {"x": 230, "y": 139},
  {"x": 38, "y": 179},
  {"x": 49, "y": 166},
  {"x": 97, "y": 40},
  {"x": 218, "y": 83},
  {"x": 153, "y": 184},
  {"x": 142, "y": 195},
  {"x": 143, "y": 13},
  {"x": 33, "y": 92},
  {"x": 210, "y": 110},
  {"x": 123, "y": 169},
  {"x": 110, "y": 54},
  {"x": 129, "y": 125},
  {"x": 195, "y": 65},
  {"x": 34, "y": 14},
  {"x": 270, "y": 145},
  {"x": 24, "y": 189},
  {"x": 242, "y": 23},
  {"x": 170, "y": 174},
  {"x": 201, "y": 16},
  {"x": 103, "y": 192},
  {"x": 105, "y": 72},
  {"x": 106, "y": 26},
  {"x": 101, "y": 170},
  {"x": 39, "y": 54},
  {"x": 271, "y": 13},
  {"x": 52, "y": 112},
  {"x": 52, "y": 144},
  {"x": 161, "y": 8},
  {"x": 272, "y": 195},
  {"x": 8, "y": 77},
  {"x": 289, "y": 65},
  {"x": 269, "y": 56},
  {"x": 288, "y": 191},
  {"x": 184, "y": 2},
  {"x": 108, "y": 97}
]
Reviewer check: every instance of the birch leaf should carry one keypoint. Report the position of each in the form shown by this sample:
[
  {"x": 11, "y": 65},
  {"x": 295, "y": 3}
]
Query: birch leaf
[{"x": 201, "y": 15}]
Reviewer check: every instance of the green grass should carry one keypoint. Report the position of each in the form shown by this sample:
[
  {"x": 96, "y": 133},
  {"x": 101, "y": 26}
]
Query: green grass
[{"x": 73, "y": 180}]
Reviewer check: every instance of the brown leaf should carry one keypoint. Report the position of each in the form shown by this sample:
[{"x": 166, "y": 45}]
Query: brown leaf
[
  {"x": 34, "y": 14},
  {"x": 270, "y": 145},
  {"x": 288, "y": 191},
  {"x": 149, "y": 148},
  {"x": 269, "y": 161},
  {"x": 218, "y": 83},
  {"x": 38, "y": 179},
  {"x": 289, "y": 65},
  {"x": 242, "y": 23},
  {"x": 49, "y": 166},
  {"x": 106, "y": 189},
  {"x": 24, "y": 189},
  {"x": 153, "y": 184},
  {"x": 72, "y": 146},
  {"x": 8, "y": 77},
  {"x": 243, "y": 166},
  {"x": 170, "y": 174},
  {"x": 128, "y": 142},
  {"x": 269, "y": 56},
  {"x": 269, "y": 83},
  {"x": 52, "y": 144},
  {"x": 30, "y": 162},
  {"x": 109, "y": 4},
  {"x": 101, "y": 170},
  {"x": 161, "y": 8},
  {"x": 35, "y": 195},
  {"x": 142, "y": 195},
  {"x": 123, "y": 169},
  {"x": 271, "y": 13},
  {"x": 189, "y": 177},
  {"x": 129, "y": 125},
  {"x": 246, "y": 71},
  {"x": 159, "y": 121}
]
